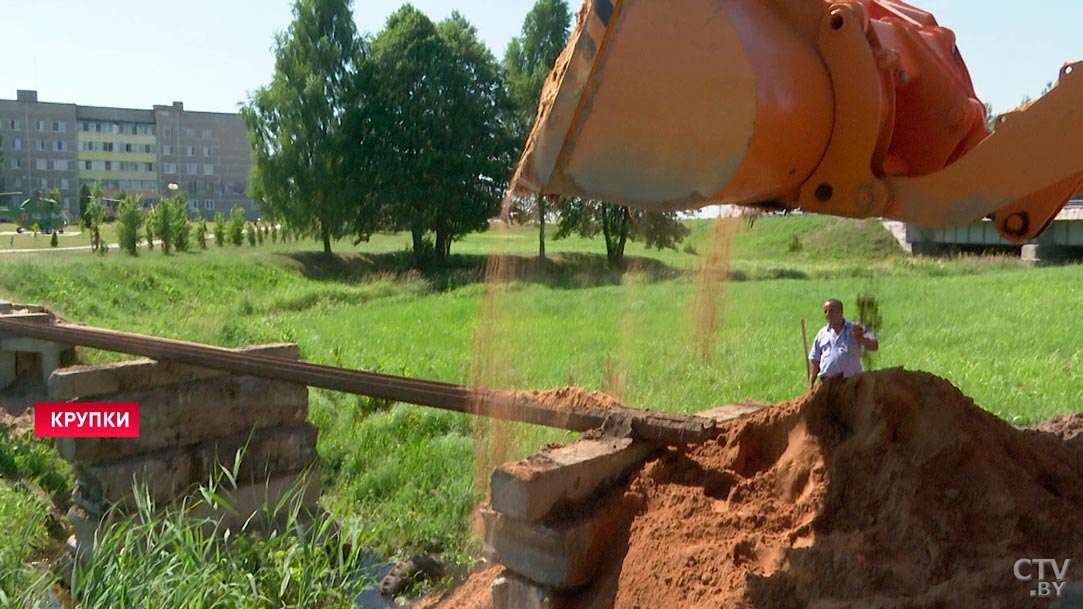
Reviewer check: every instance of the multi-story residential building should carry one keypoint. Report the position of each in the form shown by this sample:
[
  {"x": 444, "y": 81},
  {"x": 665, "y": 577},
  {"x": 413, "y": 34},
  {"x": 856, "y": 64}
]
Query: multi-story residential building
[{"x": 153, "y": 153}]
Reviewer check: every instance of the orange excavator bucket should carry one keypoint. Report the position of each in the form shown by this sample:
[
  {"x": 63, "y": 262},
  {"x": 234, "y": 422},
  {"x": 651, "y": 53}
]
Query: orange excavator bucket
[{"x": 861, "y": 108}]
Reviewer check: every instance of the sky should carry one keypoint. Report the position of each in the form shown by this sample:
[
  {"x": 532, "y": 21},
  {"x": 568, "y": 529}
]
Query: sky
[{"x": 211, "y": 54}]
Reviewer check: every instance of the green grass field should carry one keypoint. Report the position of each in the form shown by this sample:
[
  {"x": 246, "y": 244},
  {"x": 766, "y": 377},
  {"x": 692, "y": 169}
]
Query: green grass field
[{"x": 402, "y": 475}]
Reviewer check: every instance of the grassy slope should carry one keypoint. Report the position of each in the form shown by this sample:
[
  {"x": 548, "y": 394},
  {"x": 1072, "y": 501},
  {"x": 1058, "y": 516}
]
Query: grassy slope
[{"x": 1004, "y": 334}]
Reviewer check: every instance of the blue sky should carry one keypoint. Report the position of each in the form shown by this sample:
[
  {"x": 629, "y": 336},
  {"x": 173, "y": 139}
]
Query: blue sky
[{"x": 211, "y": 53}]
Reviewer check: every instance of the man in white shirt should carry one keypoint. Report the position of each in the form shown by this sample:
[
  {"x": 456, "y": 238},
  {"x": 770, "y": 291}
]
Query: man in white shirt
[{"x": 838, "y": 346}]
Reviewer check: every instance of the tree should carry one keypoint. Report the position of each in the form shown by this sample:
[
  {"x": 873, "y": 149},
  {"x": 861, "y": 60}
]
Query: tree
[
  {"x": 170, "y": 223},
  {"x": 201, "y": 233},
  {"x": 219, "y": 229},
  {"x": 181, "y": 223},
  {"x": 129, "y": 221},
  {"x": 619, "y": 224},
  {"x": 304, "y": 166},
  {"x": 250, "y": 233},
  {"x": 95, "y": 218},
  {"x": 236, "y": 226},
  {"x": 527, "y": 63},
  {"x": 84, "y": 204},
  {"x": 96, "y": 197},
  {"x": 443, "y": 120}
]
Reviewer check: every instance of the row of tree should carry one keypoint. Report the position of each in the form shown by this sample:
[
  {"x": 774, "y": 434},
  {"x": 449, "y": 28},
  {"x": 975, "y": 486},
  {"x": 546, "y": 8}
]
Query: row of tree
[{"x": 415, "y": 129}]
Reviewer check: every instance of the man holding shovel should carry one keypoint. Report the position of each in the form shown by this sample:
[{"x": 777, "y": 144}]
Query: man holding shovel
[{"x": 838, "y": 346}]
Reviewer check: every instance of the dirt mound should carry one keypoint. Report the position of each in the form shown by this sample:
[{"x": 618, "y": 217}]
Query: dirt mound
[
  {"x": 891, "y": 489},
  {"x": 1067, "y": 427},
  {"x": 888, "y": 490}
]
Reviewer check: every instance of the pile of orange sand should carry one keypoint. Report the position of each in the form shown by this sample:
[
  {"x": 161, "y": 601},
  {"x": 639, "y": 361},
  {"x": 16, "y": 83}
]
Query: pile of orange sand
[{"x": 891, "y": 489}]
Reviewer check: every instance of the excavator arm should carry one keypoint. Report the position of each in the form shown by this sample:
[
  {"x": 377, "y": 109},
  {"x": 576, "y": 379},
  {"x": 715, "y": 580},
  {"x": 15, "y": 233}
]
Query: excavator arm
[{"x": 861, "y": 108}]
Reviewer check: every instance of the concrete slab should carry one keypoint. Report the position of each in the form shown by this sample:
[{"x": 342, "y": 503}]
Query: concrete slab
[
  {"x": 168, "y": 474},
  {"x": 190, "y": 413},
  {"x": 511, "y": 591},
  {"x": 562, "y": 557},
  {"x": 94, "y": 381},
  {"x": 731, "y": 411},
  {"x": 529, "y": 489}
]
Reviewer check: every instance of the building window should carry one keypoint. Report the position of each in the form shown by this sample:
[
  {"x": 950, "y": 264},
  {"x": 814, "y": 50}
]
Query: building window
[
  {"x": 207, "y": 151},
  {"x": 39, "y": 125},
  {"x": 167, "y": 132},
  {"x": 61, "y": 146},
  {"x": 167, "y": 149},
  {"x": 60, "y": 126},
  {"x": 191, "y": 151},
  {"x": 208, "y": 170},
  {"x": 208, "y": 204},
  {"x": 206, "y": 133},
  {"x": 148, "y": 166},
  {"x": 192, "y": 169},
  {"x": 13, "y": 124},
  {"x": 64, "y": 183},
  {"x": 40, "y": 164},
  {"x": 169, "y": 168},
  {"x": 41, "y": 145},
  {"x": 16, "y": 144},
  {"x": 107, "y": 146},
  {"x": 60, "y": 165}
]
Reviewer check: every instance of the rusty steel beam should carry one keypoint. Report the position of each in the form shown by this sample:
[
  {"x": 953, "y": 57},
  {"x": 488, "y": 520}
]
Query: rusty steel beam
[{"x": 646, "y": 425}]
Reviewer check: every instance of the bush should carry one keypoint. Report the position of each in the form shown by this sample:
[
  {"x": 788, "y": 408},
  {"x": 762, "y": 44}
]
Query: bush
[
  {"x": 251, "y": 233},
  {"x": 236, "y": 226},
  {"x": 129, "y": 221},
  {"x": 55, "y": 241},
  {"x": 219, "y": 229}
]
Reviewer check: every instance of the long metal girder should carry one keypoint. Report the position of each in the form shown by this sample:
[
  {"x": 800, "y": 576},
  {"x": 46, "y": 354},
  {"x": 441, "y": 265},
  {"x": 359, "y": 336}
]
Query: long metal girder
[{"x": 646, "y": 425}]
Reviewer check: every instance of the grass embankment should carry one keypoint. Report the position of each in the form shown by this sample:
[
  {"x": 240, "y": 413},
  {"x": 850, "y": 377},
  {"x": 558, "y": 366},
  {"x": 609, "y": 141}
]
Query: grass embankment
[{"x": 402, "y": 474}]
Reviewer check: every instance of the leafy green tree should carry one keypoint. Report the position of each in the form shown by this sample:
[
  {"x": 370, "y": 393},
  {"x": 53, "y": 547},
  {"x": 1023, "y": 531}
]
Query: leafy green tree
[
  {"x": 201, "y": 233},
  {"x": 619, "y": 224},
  {"x": 181, "y": 223},
  {"x": 54, "y": 240},
  {"x": 150, "y": 220},
  {"x": 527, "y": 62},
  {"x": 304, "y": 165},
  {"x": 129, "y": 220},
  {"x": 236, "y": 226},
  {"x": 170, "y": 223},
  {"x": 442, "y": 118},
  {"x": 250, "y": 233},
  {"x": 95, "y": 219},
  {"x": 96, "y": 196},
  {"x": 219, "y": 229},
  {"x": 84, "y": 204}
]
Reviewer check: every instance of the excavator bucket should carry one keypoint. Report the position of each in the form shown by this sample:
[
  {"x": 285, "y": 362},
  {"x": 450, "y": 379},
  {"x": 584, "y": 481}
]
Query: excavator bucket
[{"x": 857, "y": 108}]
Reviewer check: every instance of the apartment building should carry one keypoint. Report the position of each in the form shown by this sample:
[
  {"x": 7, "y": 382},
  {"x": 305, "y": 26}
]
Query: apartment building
[{"x": 153, "y": 153}]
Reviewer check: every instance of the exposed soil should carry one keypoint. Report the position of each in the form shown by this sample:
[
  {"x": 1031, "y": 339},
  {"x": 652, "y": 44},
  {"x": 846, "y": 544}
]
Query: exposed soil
[
  {"x": 891, "y": 489},
  {"x": 573, "y": 398}
]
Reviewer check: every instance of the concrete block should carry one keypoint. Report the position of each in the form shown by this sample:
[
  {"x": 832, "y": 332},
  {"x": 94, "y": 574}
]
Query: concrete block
[
  {"x": 171, "y": 473},
  {"x": 529, "y": 489},
  {"x": 7, "y": 368},
  {"x": 564, "y": 556},
  {"x": 94, "y": 381},
  {"x": 163, "y": 474},
  {"x": 266, "y": 452},
  {"x": 511, "y": 591},
  {"x": 731, "y": 411},
  {"x": 264, "y": 503},
  {"x": 190, "y": 413}
]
